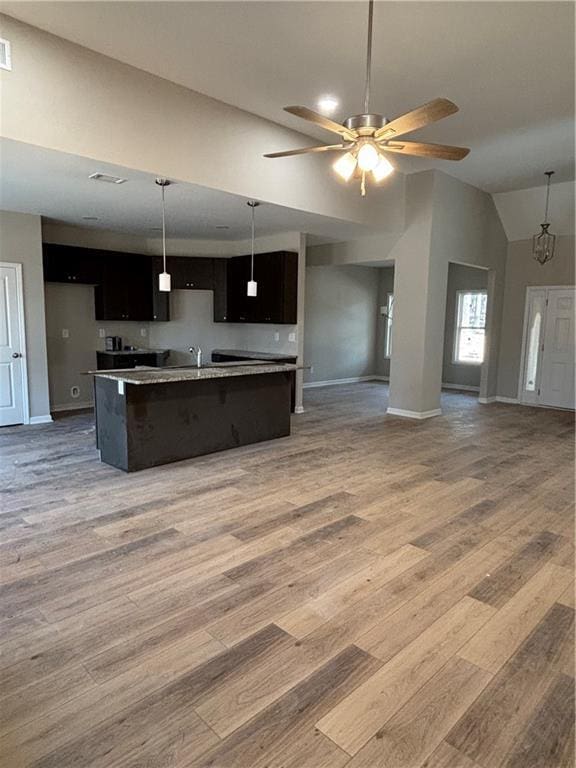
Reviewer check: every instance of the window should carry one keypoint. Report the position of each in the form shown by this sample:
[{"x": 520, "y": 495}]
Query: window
[
  {"x": 470, "y": 327},
  {"x": 388, "y": 335}
]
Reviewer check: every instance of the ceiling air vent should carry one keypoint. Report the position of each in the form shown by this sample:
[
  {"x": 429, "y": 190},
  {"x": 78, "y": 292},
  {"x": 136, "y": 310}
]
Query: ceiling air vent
[
  {"x": 5, "y": 54},
  {"x": 107, "y": 178}
]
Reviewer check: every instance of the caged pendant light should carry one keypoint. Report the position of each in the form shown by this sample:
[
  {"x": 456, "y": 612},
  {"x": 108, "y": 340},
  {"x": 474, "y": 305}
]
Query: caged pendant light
[
  {"x": 164, "y": 282},
  {"x": 252, "y": 286},
  {"x": 544, "y": 242}
]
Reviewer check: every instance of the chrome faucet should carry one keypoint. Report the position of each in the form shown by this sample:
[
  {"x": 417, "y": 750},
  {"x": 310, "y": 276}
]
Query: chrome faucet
[{"x": 198, "y": 352}]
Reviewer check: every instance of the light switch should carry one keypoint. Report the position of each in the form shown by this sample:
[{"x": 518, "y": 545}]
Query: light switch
[
  {"x": 276, "y": 336},
  {"x": 101, "y": 332},
  {"x": 142, "y": 331},
  {"x": 291, "y": 337},
  {"x": 65, "y": 333}
]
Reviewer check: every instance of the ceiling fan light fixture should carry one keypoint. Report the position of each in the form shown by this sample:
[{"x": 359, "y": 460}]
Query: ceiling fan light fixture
[
  {"x": 368, "y": 156},
  {"x": 345, "y": 166},
  {"x": 382, "y": 170}
]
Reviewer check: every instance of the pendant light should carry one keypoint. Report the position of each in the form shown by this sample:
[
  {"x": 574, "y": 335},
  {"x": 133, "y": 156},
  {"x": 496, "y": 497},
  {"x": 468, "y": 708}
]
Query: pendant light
[
  {"x": 544, "y": 242},
  {"x": 164, "y": 282},
  {"x": 252, "y": 287}
]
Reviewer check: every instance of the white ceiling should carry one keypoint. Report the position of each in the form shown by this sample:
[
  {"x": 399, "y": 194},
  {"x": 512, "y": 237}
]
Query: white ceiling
[
  {"x": 56, "y": 185},
  {"x": 522, "y": 212},
  {"x": 508, "y": 65}
]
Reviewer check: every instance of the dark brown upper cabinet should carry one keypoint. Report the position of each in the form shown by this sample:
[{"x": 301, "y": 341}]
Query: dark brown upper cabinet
[
  {"x": 277, "y": 277},
  {"x": 160, "y": 299},
  {"x": 68, "y": 264},
  {"x": 126, "y": 290},
  {"x": 191, "y": 273}
]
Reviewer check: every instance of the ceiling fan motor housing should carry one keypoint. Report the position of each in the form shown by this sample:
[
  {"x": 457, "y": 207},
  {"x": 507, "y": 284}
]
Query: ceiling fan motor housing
[{"x": 365, "y": 124}]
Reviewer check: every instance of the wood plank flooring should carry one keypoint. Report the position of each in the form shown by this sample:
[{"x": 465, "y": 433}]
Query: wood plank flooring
[{"x": 370, "y": 592}]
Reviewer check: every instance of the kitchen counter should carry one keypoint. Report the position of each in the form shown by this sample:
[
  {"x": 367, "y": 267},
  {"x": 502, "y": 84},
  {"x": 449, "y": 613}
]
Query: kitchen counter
[
  {"x": 151, "y": 416},
  {"x": 138, "y": 377}
]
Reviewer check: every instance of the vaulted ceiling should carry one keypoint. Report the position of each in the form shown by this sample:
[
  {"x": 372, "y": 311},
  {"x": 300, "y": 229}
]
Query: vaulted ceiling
[{"x": 508, "y": 65}]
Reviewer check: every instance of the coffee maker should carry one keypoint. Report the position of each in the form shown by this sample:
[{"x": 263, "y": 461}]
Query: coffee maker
[{"x": 113, "y": 343}]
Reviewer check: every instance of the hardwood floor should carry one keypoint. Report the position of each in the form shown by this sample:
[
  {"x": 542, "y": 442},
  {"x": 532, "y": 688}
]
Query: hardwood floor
[{"x": 369, "y": 592}]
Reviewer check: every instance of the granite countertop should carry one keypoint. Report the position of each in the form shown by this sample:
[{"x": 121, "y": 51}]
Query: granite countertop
[
  {"x": 169, "y": 375},
  {"x": 254, "y": 355},
  {"x": 138, "y": 351}
]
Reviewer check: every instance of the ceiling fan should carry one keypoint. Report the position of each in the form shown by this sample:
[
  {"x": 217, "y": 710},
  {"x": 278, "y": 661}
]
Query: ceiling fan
[{"x": 366, "y": 138}]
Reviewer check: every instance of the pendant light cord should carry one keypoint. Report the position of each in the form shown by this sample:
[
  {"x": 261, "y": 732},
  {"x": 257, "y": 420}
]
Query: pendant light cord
[
  {"x": 252, "y": 205},
  {"x": 368, "y": 58},
  {"x": 549, "y": 174},
  {"x": 163, "y": 230}
]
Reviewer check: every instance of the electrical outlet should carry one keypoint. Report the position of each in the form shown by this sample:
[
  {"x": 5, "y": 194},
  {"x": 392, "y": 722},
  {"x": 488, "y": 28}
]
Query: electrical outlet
[
  {"x": 65, "y": 333},
  {"x": 101, "y": 332},
  {"x": 276, "y": 336},
  {"x": 311, "y": 369},
  {"x": 291, "y": 337},
  {"x": 142, "y": 331},
  {"x": 75, "y": 391}
]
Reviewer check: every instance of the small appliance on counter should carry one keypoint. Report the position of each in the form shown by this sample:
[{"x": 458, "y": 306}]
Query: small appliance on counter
[{"x": 113, "y": 344}]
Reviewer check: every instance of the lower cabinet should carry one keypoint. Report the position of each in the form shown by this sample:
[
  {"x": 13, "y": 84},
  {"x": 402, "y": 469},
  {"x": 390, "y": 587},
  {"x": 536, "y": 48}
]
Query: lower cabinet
[{"x": 107, "y": 361}]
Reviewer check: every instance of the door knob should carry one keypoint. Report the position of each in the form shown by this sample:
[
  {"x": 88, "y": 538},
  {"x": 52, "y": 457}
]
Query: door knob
[{"x": 16, "y": 354}]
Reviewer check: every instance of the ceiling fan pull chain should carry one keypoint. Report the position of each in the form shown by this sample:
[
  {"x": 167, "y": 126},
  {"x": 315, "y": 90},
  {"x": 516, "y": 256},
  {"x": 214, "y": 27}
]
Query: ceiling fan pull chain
[{"x": 363, "y": 184}]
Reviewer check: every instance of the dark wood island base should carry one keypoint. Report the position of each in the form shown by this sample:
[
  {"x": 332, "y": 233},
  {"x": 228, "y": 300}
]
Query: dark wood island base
[{"x": 144, "y": 424}]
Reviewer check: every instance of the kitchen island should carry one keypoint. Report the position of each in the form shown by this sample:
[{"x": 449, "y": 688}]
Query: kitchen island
[{"x": 147, "y": 417}]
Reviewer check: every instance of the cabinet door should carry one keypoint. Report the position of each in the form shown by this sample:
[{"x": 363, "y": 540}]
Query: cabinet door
[
  {"x": 220, "y": 290},
  {"x": 126, "y": 289},
  {"x": 68, "y": 264},
  {"x": 191, "y": 273},
  {"x": 241, "y": 307},
  {"x": 160, "y": 299},
  {"x": 138, "y": 288}
]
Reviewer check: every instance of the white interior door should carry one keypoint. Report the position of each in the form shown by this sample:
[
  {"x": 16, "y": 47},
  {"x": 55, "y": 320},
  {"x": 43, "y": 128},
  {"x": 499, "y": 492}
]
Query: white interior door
[
  {"x": 548, "y": 369},
  {"x": 13, "y": 396},
  {"x": 557, "y": 380}
]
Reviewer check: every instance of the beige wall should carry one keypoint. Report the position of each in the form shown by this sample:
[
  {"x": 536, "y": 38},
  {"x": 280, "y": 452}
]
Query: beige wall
[
  {"x": 340, "y": 322},
  {"x": 21, "y": 243},
  {"x": 446, "y": 221},
  {"x": 523, "y": 271},
  {"x": 115, "y": 113},
  {"x": 71, "y": 307}
]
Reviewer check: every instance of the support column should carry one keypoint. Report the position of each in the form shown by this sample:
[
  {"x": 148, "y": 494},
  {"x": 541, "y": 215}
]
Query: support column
[{"x": 418, "y": 334}]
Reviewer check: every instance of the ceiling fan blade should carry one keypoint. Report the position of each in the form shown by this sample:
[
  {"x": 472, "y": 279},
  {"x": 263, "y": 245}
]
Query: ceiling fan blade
[
  {"x": 418, "y": 118},
  {"x": 304, "y": 150},
  {"x": 441, "y": 151},
  {"x": 324, "y": 122}
]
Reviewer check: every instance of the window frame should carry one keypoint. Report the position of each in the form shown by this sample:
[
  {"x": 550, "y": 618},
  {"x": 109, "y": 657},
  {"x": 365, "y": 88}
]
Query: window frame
[
  {"x": 458, "y": 327},
  {"x": 388, "y": 328}
]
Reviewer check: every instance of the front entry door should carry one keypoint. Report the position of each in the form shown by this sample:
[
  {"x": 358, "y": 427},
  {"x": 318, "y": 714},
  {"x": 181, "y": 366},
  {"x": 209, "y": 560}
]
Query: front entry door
[
  {"x": 557, "y": 382},
  {"x": 12, "y": 382},
  {"x": 548, "y": 372}
]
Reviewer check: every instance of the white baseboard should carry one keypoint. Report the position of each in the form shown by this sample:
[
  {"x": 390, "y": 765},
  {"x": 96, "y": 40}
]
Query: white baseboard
[
  {"x": 40, "y": 419},
  {"x": 414, "y": 414},
  {"x": 353, "y": 380},
  {"x": 72, "y": 407},
  {"x": 498, "y": 399},
  {"x": 486, "y": 400},
  {"x": 462, "y": 387},
  {"x": 299, "y": 409}
]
